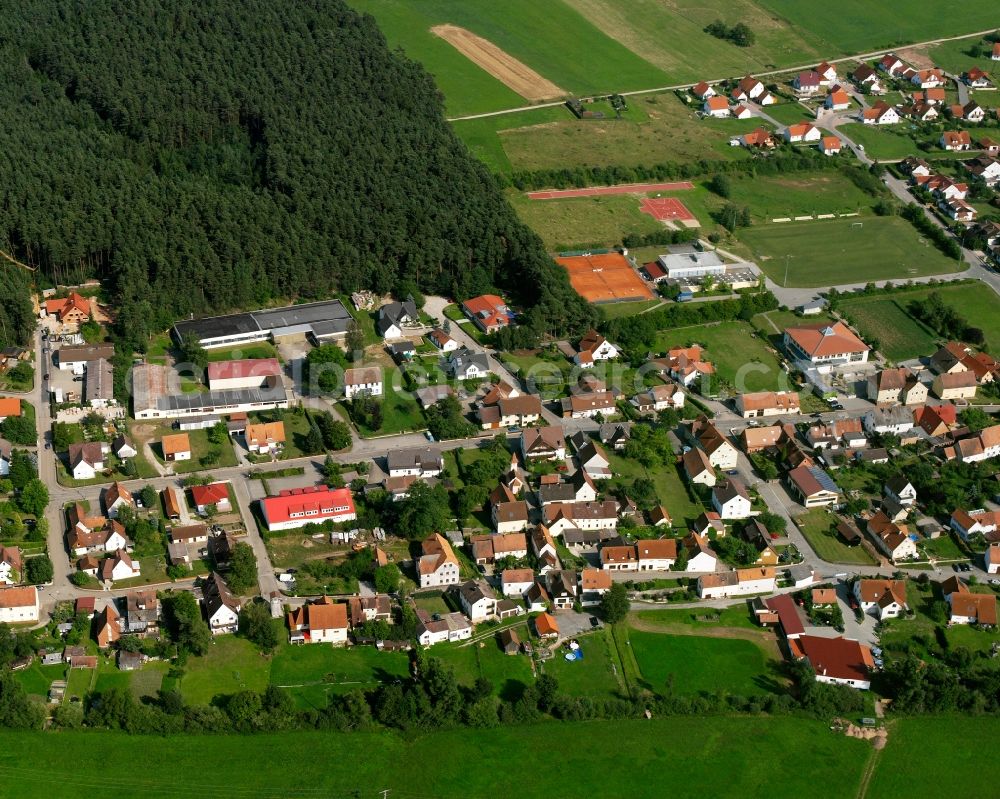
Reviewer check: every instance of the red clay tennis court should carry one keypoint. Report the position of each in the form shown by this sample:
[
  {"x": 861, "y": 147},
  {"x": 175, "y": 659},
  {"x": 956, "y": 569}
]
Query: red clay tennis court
[
  {"x": 597, "y": 191},
  {"x": 606, "y": 277},
  {"x": 667, "y": 209}
]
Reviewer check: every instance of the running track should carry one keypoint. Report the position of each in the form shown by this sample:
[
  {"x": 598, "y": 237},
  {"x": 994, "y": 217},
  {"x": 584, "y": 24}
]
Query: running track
[{"x": 594, "y": 191}]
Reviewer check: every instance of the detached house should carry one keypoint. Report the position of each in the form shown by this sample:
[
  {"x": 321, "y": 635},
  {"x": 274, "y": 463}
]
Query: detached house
[
  {"x": 721, "y": 453},
  {"x": 478, "y": 600},
  {"x": 222, "y": 609},
  {"x": 116, "y": 496},
  {"x": 837, "y": 661},
  {"x": 716, "y": 107},
  {"x": 87, "y": 459},
  {"x": 901, "y": 490},
  {"x": 488, "y": 312},
  {"x": 895, "y": 420},
  {"x": 881, "y": 113},
  {"x": 955, "y": 140},
  {"x": 701, "y": 558},
  {"x": 883, "y": 599},
  {"x": 756, "y": 580},
  {"x": 118, "y": 566},
  {"x": 767, "y": 403},
  {"x": 697, "y": 467},
  {"x": 802, "y": 132},
  {"x": 960, "y": 385},
  {"x": 420, "y": 462},
  {"x": 731, "y": 500},
  {"x": 594, "y": 584},
  {"x": 659, "y": 398},
  {"x": 322, "y": 621},
  {"x": 813, "y": 487},
  {"x": 807, "y": 83},
  {"x": 543, "y": 443},
  {"x": 837, "y": 100},
  {"x": 966, "y": 607},
  {"x": 976, "y": 522},
  {"x": 364, "y": 380},
  {"x": 891, "y": 538},
  {"x": 395, "y": 316},
  {"x": 437, "y": 564}
]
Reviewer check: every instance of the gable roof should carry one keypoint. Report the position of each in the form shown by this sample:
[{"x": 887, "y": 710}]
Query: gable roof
[{"x": 825, "y": 339}]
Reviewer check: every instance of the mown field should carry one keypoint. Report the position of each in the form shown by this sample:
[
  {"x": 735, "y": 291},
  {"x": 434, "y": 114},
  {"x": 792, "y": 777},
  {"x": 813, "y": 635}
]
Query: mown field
[
  {"x": 854, "y": 26},
  {"x": 824, "y": 192},
  {"x": 837, "y": 252},
  {"x": 722, "y": 757},
  {"x": 552, "y": 38},
  {"x": 887, "y": 319}
]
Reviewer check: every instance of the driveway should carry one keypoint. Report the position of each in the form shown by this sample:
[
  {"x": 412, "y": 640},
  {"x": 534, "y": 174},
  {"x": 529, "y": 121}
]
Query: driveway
[{"x": 863, "y": 631}]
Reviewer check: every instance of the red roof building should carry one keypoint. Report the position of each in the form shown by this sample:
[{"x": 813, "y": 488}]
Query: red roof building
[
  {"x": 216, "y": 494},
  {"x": 825, "y": 343},
  {"x": 488, "y": 311},
  {"x": 244, "y": 373},
  {"x": 313, "y": 505}
]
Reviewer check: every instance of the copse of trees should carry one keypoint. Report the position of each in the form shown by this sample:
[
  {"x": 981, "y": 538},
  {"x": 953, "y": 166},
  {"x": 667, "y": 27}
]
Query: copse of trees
[
  {"x": 241, "y": 153},
  {"x": 738, "y": 34}
]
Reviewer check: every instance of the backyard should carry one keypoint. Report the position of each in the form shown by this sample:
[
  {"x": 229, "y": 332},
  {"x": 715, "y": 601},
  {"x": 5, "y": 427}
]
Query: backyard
[{"x": 818, "y": 526}]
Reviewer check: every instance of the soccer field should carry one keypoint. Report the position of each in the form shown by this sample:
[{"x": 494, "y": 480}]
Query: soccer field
[{"x": 843, "y": 251}]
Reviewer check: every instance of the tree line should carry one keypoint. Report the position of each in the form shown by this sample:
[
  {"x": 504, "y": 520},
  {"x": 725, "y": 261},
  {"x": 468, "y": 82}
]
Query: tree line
[{"x": 231, "y": 155}]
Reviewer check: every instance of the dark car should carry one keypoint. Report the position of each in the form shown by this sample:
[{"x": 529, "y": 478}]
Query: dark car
[{"x": 594, "y": 622}]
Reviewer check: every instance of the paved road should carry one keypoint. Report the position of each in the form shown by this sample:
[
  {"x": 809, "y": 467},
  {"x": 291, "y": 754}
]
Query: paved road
[{"x": 769, "y": 73}]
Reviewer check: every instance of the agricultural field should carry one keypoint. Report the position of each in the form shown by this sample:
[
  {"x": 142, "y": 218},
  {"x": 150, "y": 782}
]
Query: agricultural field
[
  {"x": 483, "y": 136},
  {"x": 886, "y": 319},
  {"x": 840, "y": 251},
  {"x": 818, "y": 527},
  {"x": 855, "y": 26},
  {"x": 743, "y": 359},
  {"x": 660, "y": 128},
  {"x": 553, "y": 39},
  {"x": 724, "y": 757},
  {"x": 898, "y": 773}
]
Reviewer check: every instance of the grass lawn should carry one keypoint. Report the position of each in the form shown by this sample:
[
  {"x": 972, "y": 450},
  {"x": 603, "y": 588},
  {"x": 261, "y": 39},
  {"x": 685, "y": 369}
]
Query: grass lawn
[
  {"x": 259, "y": 349},
  {"x": 670, "y": 487},
  {"x": 981, "y": 307},
  {"x": 899, "y": 773},
  {"x": 595, "y": 674},
  {"x": 884, "y": 320},
  {"x": 835, "y": 252},
  {"x": 311, "y": 672},
  {"x": 789, "y": 113},
  {"x": 884, "y": 142},
  {"x": 857, "y": 26},
  {"x": 617, "y": 310},
  {"x": 825, "y": 192},
  {"x": 551, "y": 38},
  {"x": 232, "y": 664},
  {"x": 661, "y": 128},
  {"x": 400, "y": 414},
  {"x": 37, "y": 678},
  {"x": 432, "y": 603},
  {"x": 733, "y": 616},
  {"x": 693, "y": 664},
  {"x": 961, "y": 55},
  {"x": 201, "y": 448},
  {"x": 723, "y": 757},
  {"x": 584, "y": 223},
  {"x": 743, "y": 359},
  {"x": 818, "y": 527}
]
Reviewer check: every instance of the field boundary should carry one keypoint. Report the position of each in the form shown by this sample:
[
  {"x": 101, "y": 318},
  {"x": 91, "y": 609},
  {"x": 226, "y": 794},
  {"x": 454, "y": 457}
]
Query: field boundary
[{"x": 600, "y": 191}]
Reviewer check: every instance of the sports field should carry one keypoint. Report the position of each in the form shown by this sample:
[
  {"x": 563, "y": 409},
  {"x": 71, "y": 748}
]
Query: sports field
[
  {"x": 600, "y": 191},
  {"x": 886, "y": 318},
  {"x": 844, "y": 251},
  {"x": 550, "y": 38},
  {"x": 605, "y": 278},
  {"x": 721, "y": 757},
  {"x": 800, "y": 194},
  {"x": 668, "y": 209}
]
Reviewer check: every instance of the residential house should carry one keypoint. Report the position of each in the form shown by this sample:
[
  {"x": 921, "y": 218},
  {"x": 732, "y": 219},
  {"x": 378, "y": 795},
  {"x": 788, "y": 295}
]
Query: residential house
[
  {"x": 449, "y": 627},
  {"x": 614, "y": 435},
  {"x": 825, "y": 344},
  {"x": 958, "y": 210},
  {"x": 848, "y": 433},
  {"x": 363, "y": 381},
  {"x": 116, "y": 497},
  {"x": 767, "y": 403},
  {"x": 431, "y": 395},
  {"x": 562, "y": 588},
  {"x": 697, "y": 467},
  {"x": 395, "y": 316},
  {"x": 18, "y": 604},
  {"x": 543, "y": 443},
  {"x": 883, "y": 599},
  {"x": 709, "y": 522},
  {"x": 758, "y": 536},
  {"x": 867, "y": 78},
  {"x": 991, "y": 558},
  {"x": 880, "y": 113},
  {"x": 514, "y": 582},
  {"x": 802, "y": 132},
  {"x": 749, "y": 88},
  {"x": 837, "y": 661},
  {"x": 70, "y": 311},
  {"x": 478, "y": 600},
  {"x": 437, "y": 564},
  {"x": 891, "y": 64},
  {"x": 894, "y": 420},
  {"x": 189, "y": 534},
  {"x": 520, "y": 411},
  {"x": 510, "y": 517},
  {"x": 974, "y": 522},
  {"x": 594, "y": 461},
  {"x": 978, "y": 447},
  {"x": 813, "y": 487},
  {"x": 142, "y": 613},
  {"x": 966, "y": 607},
  {"x": 488, "y": 312},
  {"x": 296, "y": 507},
  {"x": 970, "y": 112},
  {"x": 716, "y": 107},
  {"x": 755, "y": 580},
  {"x": 828, "y": 145},
  {"x": 544, "y": 547},
  {"x": 657, "y": 554},
  {"x": 419, "y": 462},
  {"x": 890, "y": 538},
  {"x": 118, "y": 566},
  {"x": 86, "y": 459},
  {"x": 721, "y": 453},
  {"x": 731, "y": 500},
  {"x": 985, "y": 170},
  {"x": 960, "y": 385},
  {"x": 6, "y": 452},
  {"x": 955, "y": 140},
  {"x": 560, "y": 516},
  {"x": 703, "y": 90},
  {"x": 510, "y": 643},
  {"x": 222, "y": 609},
  {"x": 892, "y": 386},
  {"x": 686, "y": 364},
  {"x": 658, "y": 398},
  {"x": 546, "y": 626},
  {"x": 759, "y": 139},
  {"x": 594, "y": 584},
  {"x": 216, "y": 495},
  {"x": 321, "y": 621},
  {"x": 619, "y": 558},
  {"x": 900, "y": 490},
  {"x": 827, "y": 73},
  {"x": 464, "y": 364},
  {"x": 362, "y": 609},
  {"x": 265, "y": 439},
  {"x": 837, "y": 100},
  {"x": 936, "y": 420},
  {"x": 741, "y": 111},
  {"x": 589, "y": 405},
  {"x": 123, "y": 448},
  {"x": 11, "y": 565},
  {"x": 107, "y": 626},
  {"x": 700, "y": 557},
  {"x": 975, "y": 78}
]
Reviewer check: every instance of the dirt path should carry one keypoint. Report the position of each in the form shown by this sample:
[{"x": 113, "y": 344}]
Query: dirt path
[
  {"x": 764, "y": 639},
  {"x": 771, "y": 323},
  {"x": 502, "y": 66}
]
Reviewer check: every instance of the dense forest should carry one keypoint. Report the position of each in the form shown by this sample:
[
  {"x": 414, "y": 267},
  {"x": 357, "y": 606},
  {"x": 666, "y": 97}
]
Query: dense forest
[{"x": 230, "y": 153}]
